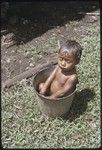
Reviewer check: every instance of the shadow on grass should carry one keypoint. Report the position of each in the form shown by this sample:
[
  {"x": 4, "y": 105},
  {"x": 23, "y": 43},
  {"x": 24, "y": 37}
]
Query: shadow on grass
[
  {"x": 79, "y": 105},
  {"x": 30, "y": 20}
]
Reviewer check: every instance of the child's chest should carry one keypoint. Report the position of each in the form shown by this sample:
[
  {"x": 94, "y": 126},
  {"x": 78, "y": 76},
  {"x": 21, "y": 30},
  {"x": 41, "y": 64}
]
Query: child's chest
[{"x": 61, "y": 78}]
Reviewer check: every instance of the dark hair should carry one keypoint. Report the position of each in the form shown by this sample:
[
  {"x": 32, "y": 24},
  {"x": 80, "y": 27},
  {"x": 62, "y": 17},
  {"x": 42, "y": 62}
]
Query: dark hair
[{"x": 71, "y": 46}]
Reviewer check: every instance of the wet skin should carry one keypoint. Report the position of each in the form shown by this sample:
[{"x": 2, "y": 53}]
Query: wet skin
[{"x": 63, "y": 79}]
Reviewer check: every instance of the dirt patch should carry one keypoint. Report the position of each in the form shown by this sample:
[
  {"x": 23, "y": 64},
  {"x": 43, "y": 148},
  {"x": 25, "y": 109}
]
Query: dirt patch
[{"x": 32, "y": 48}]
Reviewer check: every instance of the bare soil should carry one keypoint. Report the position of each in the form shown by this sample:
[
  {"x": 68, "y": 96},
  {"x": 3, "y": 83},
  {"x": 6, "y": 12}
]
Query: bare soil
[{"x": 29, "y": 26}]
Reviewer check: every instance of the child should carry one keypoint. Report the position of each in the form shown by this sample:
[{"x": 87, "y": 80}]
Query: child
[{"x": 63, "y": 78}]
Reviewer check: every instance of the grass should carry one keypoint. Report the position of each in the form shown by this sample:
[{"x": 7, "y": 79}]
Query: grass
[{"x": 23, "y": 125}]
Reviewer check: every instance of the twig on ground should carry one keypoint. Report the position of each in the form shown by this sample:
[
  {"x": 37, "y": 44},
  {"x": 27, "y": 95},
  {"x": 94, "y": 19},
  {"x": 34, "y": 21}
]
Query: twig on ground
[
  {"x": 90, "y": 13},
  {"x": 28, "y": 73},
  {"x": 4, "y": 31}
]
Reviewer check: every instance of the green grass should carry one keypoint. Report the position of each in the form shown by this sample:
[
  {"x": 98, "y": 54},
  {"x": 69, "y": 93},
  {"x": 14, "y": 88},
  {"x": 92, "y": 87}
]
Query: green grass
[{"x": 23, "y": 125}]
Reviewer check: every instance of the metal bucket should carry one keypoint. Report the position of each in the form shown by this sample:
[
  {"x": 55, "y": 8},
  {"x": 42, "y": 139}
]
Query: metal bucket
[{"x": 50, "y": 107}]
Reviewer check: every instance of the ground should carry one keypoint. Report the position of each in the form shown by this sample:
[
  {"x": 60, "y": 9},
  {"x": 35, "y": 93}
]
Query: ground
[
  {"x": 36, "y": 33},
  {"x": 31, "y": 47}
]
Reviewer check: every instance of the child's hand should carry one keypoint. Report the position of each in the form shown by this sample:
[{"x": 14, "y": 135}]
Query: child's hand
[{"x": 43, "y": 90}]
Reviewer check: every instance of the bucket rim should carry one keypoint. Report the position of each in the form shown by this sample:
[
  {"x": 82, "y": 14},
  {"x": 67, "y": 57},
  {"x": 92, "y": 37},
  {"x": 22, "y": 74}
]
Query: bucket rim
[
  {"x": 46, "y": 67},
  {"x": 57, "y": 99}
]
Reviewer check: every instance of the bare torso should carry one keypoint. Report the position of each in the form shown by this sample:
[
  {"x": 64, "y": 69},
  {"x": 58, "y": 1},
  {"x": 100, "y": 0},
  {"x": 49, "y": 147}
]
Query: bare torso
[{"x": 60, "y": 80}]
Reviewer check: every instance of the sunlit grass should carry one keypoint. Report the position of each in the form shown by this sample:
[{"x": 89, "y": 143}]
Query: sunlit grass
[{"x": 23, "y": 125}]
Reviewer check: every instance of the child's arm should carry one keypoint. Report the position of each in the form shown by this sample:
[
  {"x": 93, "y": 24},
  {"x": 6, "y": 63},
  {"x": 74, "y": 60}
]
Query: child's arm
[
  {"x": 68, "y": 87},
  {"x": 48, "y": 81}
]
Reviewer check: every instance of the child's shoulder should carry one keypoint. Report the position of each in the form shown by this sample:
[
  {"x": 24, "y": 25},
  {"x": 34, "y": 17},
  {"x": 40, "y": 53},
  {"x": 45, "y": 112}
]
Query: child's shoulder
[{"x": 73, "y": 78}]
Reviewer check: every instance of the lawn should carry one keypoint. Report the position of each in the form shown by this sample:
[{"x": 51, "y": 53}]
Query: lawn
[{"x": 22, "y": 123}]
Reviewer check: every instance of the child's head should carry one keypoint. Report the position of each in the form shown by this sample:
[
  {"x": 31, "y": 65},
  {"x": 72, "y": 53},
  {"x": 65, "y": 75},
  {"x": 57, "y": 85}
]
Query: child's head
[{"x": 69, "y": 54}]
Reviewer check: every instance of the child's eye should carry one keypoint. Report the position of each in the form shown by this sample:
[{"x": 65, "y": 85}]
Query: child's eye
[
  {"x": 67, "y": 60},
  {"x": 60, "y": 59}
]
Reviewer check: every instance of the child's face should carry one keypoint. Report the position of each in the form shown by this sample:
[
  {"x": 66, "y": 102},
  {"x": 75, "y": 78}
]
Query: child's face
[{"x": 66, "y": 61}]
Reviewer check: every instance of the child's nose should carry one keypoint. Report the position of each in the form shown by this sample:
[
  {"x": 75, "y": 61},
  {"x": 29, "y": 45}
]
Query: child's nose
[{"x": 63, "y": 62}]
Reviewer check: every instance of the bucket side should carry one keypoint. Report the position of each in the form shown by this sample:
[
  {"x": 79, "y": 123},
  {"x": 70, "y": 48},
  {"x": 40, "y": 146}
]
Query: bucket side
[{"x": 55, "y": 108}]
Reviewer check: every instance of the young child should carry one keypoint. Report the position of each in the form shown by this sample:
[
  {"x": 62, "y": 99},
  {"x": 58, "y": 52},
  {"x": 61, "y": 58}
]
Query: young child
[{"x": 63, "y": 78}]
